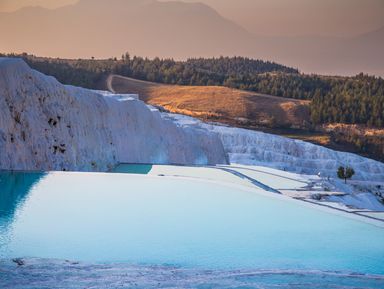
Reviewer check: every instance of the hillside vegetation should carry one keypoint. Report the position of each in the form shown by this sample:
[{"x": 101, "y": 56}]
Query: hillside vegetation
[
  {"x": 278, "y": 115},
  {"x": 349, "y": 100},
  {"x": 221, "y": 104}
]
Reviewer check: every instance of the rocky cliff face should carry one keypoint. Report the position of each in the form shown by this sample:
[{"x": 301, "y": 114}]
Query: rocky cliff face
[{"x": 45, "y": 125}]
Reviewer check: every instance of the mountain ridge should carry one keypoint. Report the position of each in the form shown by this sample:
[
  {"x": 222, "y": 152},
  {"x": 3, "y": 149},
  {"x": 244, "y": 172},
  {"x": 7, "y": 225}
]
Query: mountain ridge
[
  {"x": 133, "y": 19},
  {"x": 177, "y": 30}
]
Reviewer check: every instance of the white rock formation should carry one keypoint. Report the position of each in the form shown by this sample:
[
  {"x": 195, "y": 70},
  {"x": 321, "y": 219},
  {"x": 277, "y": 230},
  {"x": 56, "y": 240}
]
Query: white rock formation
[
  {"x": 257, "y": 148},
  {"x": 45, "y": 125}
]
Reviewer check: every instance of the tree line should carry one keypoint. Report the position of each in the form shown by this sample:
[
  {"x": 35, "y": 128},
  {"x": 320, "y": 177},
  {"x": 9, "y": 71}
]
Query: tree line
[{"x": 351, "y": 100}]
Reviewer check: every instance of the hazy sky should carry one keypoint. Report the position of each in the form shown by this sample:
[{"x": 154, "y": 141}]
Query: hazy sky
[
  {"x": 10, "y": 5},
  {"x": 303, "y": 17},
  {"x": 278, "y": 17}
]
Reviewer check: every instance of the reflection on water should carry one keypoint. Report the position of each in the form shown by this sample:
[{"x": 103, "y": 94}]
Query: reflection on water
[
  {"x": 140, "y": 169},
  {"x": 14, "y": 188}
]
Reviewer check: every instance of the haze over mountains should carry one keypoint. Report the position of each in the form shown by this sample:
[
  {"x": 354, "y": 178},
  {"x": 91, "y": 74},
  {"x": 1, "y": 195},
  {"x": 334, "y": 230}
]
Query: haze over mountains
[
  {"x": 338, "y": 18},
  {"x": 179, "y": 30}
]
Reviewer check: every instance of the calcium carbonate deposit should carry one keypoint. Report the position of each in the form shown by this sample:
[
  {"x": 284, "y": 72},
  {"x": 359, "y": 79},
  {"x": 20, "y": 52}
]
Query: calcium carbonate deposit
[
  {"x": 45, "y": 125},
  {"x": 249, "y": 147}
]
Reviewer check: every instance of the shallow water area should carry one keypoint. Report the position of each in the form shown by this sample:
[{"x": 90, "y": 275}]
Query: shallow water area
[{"x": 193, "y": 224}]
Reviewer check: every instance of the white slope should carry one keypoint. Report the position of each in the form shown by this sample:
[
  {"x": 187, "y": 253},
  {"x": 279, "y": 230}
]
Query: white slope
[
  {"x": 45, "y": 125},
  {"x": 298, "y": 162},
  {"x": 249, "y": 147}
]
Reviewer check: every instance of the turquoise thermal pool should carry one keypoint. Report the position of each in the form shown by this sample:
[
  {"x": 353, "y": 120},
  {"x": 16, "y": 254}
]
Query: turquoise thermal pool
[{"x": 145, "y": 220}]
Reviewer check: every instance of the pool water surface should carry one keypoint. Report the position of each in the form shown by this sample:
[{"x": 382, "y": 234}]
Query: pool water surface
[{"x": 139, "y": 219}]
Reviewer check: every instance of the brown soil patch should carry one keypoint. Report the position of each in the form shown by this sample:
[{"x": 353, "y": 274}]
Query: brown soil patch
[{"x": 221, "y": 104}]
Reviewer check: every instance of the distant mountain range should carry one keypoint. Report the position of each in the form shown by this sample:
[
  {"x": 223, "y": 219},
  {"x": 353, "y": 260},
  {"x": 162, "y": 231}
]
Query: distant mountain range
[{"x": 176, "y": 29}]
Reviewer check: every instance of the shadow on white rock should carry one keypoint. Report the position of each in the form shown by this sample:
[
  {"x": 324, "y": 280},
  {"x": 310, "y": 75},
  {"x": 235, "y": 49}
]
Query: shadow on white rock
[{"x": 45, "y": 125}]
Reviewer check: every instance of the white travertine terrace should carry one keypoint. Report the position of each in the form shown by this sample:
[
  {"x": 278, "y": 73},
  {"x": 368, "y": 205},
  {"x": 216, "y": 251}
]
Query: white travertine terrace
[
  {"x": 45, "y": 125},
  {"x": 249, "y": 147}
]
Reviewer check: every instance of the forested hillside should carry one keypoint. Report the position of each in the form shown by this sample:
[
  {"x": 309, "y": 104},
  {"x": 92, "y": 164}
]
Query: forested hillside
[{"x": 350, "y": 100}]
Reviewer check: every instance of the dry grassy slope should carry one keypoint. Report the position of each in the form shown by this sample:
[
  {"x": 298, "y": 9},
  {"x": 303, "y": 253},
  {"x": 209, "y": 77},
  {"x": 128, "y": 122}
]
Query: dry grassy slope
[{"x": 221, "y": 104}]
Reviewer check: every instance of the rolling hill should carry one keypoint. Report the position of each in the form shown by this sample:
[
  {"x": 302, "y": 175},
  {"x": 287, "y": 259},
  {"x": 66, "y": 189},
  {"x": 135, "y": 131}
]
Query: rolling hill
[
  {"x": 221, "y": 104},
  {"x": 278, "y": 115}
]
